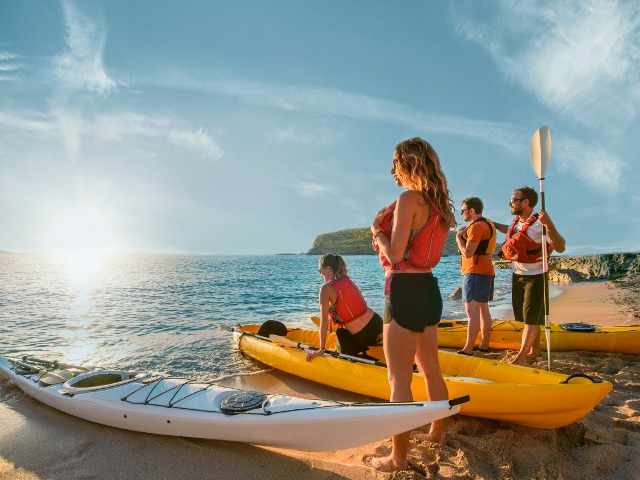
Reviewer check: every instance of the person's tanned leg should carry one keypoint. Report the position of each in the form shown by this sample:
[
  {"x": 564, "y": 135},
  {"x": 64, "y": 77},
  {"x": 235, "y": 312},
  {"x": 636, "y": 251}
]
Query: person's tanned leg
[
  {"x": 473, "y": 313},
  {"x": 485, "y": 325},
  {"x": 429, "y": 366},
  {"x": 399, "y": 349}
]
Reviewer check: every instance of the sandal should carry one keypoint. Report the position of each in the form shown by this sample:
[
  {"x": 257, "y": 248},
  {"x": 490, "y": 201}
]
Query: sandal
[{"x": 462, "y": 352}]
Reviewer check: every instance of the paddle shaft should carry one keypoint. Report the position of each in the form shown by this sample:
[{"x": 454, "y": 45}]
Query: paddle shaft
[
  {"x": 545, "y": 275},
  {"x": 301, "y": 346},
  {"x": 290, "y": 343},
  {"x": 545, "y": 257}
]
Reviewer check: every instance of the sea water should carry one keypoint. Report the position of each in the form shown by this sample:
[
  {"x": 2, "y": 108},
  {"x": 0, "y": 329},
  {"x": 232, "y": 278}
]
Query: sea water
[{"x": 163, "y": 312}]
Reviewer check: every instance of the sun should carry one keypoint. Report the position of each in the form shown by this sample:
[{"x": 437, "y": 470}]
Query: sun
[{"x": 85, "y": 230}]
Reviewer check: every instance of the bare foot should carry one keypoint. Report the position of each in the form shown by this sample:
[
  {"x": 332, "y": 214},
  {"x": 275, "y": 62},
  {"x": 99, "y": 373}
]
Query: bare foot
[
  {"x": 535, "y": 353},
  {"x": 517, "y": 361},
  {"x": 382, "y": 464},
  {"x": 436, "y": 437}
]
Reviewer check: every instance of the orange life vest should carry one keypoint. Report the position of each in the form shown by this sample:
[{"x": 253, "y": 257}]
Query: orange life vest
[
  {"x": 424, "y": 248},
  {"x": 519, "y": 246},
  {"x": 350, "y": 303},
  {"x": 486, "y": 246}
]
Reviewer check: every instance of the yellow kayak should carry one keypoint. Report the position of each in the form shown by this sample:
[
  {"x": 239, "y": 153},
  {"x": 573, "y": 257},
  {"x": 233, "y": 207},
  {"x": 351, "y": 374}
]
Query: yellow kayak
[
  {"x": 500, "y": 391},
  {"x": 564, "y": 337}
]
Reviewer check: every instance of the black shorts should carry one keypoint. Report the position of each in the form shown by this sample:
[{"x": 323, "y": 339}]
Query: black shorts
[
  {"x": 527, "y": 298},
  {"x": 370, "y": 332},
  {"x": 414, "y": 301},
  {"x": 356, "y": 343}
]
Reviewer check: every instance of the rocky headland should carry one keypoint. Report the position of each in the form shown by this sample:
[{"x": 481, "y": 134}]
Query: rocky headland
[{"x": 357, "y": 241}]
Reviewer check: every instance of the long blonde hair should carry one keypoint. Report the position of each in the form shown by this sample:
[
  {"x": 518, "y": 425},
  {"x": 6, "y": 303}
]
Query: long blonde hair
[{"x": 418, "y": 168}]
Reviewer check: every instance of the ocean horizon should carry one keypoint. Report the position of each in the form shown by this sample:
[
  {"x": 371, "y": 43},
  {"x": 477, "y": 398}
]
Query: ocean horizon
[{"x": 163, "y": 312}]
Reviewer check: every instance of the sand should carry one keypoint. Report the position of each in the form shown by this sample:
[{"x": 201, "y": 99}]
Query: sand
[{"x": 37, "y": 442}]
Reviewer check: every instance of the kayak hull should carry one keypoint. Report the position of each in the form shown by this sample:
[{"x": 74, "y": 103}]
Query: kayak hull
[
  {"x": 507, "y": 334},
  {"x": 153, "y": 403},
  {"x": 498, "y": 391}
]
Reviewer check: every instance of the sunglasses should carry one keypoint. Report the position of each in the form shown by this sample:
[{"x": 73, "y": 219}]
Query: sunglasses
[{"x": 514, "y": 200}]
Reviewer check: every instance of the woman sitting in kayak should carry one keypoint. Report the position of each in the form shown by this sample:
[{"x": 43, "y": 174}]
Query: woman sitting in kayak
[{"x": 342, "y": 304}]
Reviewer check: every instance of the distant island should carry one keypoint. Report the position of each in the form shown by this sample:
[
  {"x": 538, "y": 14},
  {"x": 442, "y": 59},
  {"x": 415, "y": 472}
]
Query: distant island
[{"x": 357, "y": 241}]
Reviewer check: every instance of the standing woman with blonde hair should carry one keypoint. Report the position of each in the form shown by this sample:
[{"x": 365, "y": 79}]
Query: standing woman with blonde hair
[{"x": 409, "y": 235}]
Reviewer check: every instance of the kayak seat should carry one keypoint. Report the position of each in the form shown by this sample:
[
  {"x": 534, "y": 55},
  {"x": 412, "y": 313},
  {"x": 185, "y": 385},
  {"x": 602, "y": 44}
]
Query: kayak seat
[{"x": 56, "y": 377}]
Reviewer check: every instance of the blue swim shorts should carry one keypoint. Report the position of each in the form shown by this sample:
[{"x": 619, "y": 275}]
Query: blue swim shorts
[{"x": 477, "y": 287}]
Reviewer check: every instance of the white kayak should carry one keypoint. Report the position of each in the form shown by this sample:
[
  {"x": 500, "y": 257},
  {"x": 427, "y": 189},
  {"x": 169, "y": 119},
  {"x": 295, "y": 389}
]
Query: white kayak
[{"x": 160, "y": 404}]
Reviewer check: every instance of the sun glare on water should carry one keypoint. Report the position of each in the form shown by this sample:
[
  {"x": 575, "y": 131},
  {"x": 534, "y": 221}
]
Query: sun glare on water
[
  {"x": 81, "y": 268},
  {"x": 80, "y": 240}
]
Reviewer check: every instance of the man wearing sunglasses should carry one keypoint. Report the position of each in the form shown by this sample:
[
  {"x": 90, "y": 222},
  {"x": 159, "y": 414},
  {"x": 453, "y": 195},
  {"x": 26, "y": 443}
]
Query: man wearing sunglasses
[
  {"x": 523, "y": 248},
  {"x": 476, "y": 242}
]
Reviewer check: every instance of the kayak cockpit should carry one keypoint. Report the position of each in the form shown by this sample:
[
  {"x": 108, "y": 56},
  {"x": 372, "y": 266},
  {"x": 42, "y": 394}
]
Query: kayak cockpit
[{"x": 100, "y": 379}]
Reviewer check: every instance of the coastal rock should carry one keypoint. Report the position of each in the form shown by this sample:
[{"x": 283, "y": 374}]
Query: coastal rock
[
  {"x": 619, "y": 267},
  {"x": 607, "y": 266},
  {"x": 456, "y": 295},
  {"x": 502, "y": 264},
  {"x": 565, "y": 275}
]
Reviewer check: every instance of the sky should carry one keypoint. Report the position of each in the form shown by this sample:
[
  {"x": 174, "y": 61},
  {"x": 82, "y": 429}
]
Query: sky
[{"x": 251, "y": 127}]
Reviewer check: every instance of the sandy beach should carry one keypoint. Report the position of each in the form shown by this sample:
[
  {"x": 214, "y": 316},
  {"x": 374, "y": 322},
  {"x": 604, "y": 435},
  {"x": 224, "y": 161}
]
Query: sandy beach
[{"x": 37, "y": 442}]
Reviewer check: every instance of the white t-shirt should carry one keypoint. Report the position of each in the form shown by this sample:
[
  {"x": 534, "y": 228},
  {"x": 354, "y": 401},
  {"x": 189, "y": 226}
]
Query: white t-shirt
[{"x": 534, "y": 232}]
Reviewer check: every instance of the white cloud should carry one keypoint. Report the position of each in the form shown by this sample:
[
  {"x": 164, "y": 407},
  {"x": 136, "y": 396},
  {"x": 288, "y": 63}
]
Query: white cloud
[
  {"x": 79, "y": 69},
  {"x": 597, "y": 167},
  {"x": 4, "y": 55},
  {"x": 313, "y": 190},
  {"x": 320, "y": 190},
  {"x": 117, "y": 128},
  {"x": 21, "y": 122},
  {"x": 81, "y": 66},
  {"x": 8, "y": 65},
  {"x": 197, "y": 141},
  {"x": 336, "y": 102},
  {"x": 579, "y": 58}
]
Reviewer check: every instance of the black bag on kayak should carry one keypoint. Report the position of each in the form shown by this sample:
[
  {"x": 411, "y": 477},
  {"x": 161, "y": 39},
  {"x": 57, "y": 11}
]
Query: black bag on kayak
[{"x": 272, "y": 327}]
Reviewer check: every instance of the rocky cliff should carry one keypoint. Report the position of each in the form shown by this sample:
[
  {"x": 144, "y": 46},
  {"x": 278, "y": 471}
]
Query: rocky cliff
[
  {"x": 357, "y": 241},
  {"x": 622, "y": 267}
]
